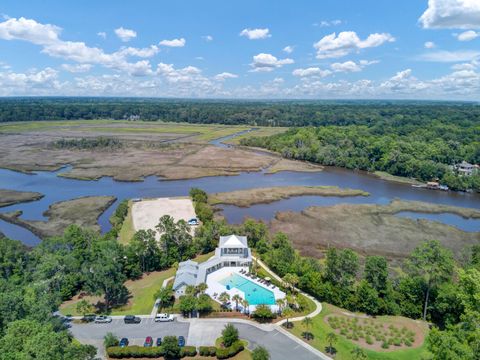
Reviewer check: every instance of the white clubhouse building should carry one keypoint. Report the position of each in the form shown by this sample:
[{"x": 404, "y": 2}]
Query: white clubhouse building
[
  {"x": 228, "y": 272},
  {"x": 233, "y": 251}
]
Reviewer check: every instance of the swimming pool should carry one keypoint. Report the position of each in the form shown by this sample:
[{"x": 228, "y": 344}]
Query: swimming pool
[{"x": 255, "y": 294}]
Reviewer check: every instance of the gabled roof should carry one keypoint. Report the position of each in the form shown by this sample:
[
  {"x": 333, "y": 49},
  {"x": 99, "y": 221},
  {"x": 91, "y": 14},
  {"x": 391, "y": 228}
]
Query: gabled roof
[
  {"x": 233, "y": 241},
  {"x": 184, "y": 279}
]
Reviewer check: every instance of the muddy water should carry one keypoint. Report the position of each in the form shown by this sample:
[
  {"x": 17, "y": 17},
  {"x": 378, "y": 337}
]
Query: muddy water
[{"x": 58, "y": 189}]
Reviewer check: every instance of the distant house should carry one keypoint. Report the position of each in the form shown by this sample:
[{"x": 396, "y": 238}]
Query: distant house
[
  {"x": 232, "y": 251},
  {"x": 465, "y": 168}
]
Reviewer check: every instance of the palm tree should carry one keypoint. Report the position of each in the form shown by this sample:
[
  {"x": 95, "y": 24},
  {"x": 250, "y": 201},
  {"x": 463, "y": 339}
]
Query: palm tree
[
  {"x": 291, "y": 280},
  {"x": 245, "y": 305},
  {"x": 288, "y": 313},
  {"x": 202, "y": 287},
  {"x": 190, "y": 290},
  {"x": 236, "y": 298},
  {"x": 358, "y": 353},
  {"x": 280, "y": 303},
  {"x": 307, "y": 322},
  {"x": 332, "y": 339},
  {"x": 224, "y": 297}
]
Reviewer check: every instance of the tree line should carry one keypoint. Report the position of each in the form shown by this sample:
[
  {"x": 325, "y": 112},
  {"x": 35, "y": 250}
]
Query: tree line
[
  {"x": 425, "y": 150},
  {"x": 260, "y": 113}
]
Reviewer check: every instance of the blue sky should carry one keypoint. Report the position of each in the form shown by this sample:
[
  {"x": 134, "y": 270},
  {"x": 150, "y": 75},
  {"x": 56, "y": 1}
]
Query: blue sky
[{"x": 242, "y": 49}]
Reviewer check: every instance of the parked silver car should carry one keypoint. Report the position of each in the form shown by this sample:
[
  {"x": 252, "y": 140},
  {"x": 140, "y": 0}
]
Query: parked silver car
[{"x": 103, "y": 319}]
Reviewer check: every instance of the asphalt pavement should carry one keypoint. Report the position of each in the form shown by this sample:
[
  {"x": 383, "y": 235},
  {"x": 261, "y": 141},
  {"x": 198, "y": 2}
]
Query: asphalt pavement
[{"x": 279, "y": 345}]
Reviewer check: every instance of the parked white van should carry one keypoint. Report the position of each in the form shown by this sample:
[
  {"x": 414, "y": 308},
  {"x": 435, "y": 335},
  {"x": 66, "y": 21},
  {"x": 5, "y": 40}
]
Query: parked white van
[{"x": 163, "y": 317}]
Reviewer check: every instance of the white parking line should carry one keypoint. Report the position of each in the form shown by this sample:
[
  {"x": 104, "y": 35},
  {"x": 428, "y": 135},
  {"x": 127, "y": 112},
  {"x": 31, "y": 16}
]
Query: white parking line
[{"x": 276, "y": 333}]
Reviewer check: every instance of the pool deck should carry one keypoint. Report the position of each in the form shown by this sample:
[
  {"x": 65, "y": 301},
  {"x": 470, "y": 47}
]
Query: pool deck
[{"x": 215, "y": 286}]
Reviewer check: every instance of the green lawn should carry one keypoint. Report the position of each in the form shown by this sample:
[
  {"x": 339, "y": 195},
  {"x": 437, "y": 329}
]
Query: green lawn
[
  {"x": 141, "y": 291},
  {"x": 127, "y": 231},
  {"x": 320, "y": 329}
]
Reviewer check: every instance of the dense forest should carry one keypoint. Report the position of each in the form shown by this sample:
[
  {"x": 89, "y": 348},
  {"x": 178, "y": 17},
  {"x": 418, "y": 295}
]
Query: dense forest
[
  {"x": 259, "y": 113},
  {"x": 423, "y": 149}
]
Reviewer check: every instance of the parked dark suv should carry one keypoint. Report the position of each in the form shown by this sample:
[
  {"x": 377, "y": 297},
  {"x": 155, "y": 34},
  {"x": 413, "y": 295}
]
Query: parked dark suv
[{"x": 131, "y": 319}]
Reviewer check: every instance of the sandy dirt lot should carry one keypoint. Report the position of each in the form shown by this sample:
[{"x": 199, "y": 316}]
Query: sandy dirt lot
[{"x": 147, "y": 213}]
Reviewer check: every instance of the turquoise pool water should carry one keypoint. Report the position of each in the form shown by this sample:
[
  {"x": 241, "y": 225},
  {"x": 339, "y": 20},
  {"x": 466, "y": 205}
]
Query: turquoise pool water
[{"x": 255, "y": 294}]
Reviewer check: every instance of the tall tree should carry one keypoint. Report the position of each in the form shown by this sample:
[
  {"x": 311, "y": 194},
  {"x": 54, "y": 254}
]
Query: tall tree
[{"x": 433, "y": 264}]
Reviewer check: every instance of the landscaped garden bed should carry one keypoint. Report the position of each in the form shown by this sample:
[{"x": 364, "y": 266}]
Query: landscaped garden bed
[
  {"x": 376, "y": 334},
  {"x": 332, "y": 320}
]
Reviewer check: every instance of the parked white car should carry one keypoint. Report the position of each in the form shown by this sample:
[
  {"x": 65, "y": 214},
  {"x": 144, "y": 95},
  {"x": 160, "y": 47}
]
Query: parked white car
[
  {"x": 163, "y": 317},
  {"x": 102, "y": 319}
]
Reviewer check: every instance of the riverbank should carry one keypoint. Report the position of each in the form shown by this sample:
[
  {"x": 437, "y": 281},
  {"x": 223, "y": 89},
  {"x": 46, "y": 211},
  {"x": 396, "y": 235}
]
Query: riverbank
[
  {"x": 83, "y": 212},
  {"x": 372, "y": 229},
  {"x": 11, "y": 197},
  {"x": 249, "y": 197}
]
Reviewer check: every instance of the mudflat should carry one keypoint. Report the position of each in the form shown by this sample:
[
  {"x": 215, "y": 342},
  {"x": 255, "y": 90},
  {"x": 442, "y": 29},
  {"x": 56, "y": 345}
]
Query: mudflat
[
  {"x": 170, "y": 151},
  {"x": 373, "y": 229},
  {"x": 247, "y": 198},
  {"x": 83, "y": 212},
  {"x": 11, "y": 197}
]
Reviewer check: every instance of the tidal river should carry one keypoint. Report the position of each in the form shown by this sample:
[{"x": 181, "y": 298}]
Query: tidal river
[{"x": 58, "y": 189}]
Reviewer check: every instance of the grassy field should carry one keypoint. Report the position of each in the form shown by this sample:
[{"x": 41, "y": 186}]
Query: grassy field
[
  {"x": 127, "y": 231},
  {"x": 321, "y": 328},
  {"x": 400, "y": 179},
  {"x": 262, "y": 131},
  {"x": 247, "y": 198},
  {"x": 200, "y": 131},
  {"x": 10, "y": 197},
  {"x": 83, "y": 211}
]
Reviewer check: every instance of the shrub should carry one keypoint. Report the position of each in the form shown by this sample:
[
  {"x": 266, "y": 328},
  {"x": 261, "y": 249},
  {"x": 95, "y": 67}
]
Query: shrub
[
  {"x": 260, "y": 353},
  {"x": 229, "y": 335},
  {"x": 207, "y": 350},
  {"x": 110, "y": 340},
  {"x": 369, "y": 340},
  {"x": 397, "y": 341},
  {"x": 134, "y": 351},
  {"x": 188, "y": 351},
  {"x": 385, "y": 345},
  {"x": 343, "y": 332},
  {"x": 230, "y": 351},
  {"x": 408, "y": 342},
  {"x": 263, "y": 312}
]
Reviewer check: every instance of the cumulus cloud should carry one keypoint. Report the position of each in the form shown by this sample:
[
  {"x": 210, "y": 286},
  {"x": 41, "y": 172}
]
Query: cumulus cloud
[
  {"x": 256, "y": 34},
  {"x": 267, "y": 62},
  {"x": 47, "y": 36},
  {"x": 451, "y": 14},
  {"x": 311, "y": 72},
  {"x": 207, "y": 38},
  {"x": 37, "y": 82},
  {"x": 125, "y": 34},
  {"x": 333, "y": 46},
  {"x": 351, "y": 66},
  {"x": 429, "y": 45},
  {"x": 468, "y": 35},
  {"x": 29, "y": 30},
  {"x": 288, "y": 49},
  {"x": 225, "y": 75},
  {"x": 173, "y": 43},
  {"x": 143, "y": 52},
  {"x": 450, "y": 56},
  {"x": 77, "y": 68},
  {"x": 102, "y": 34}
]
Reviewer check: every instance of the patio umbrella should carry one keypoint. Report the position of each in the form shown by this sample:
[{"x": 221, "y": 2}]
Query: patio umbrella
[{"x": 267, "y": 278}]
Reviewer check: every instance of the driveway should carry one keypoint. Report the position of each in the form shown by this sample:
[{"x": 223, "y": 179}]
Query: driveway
[{"x": 199, "y": 332}]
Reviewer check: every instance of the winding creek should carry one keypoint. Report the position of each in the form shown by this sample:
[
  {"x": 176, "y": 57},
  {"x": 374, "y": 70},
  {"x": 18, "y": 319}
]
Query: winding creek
[{"x": 57, "y": 188}]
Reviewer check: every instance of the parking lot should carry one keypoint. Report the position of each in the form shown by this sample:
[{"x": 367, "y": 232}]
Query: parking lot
[
  {"x": 201, "y": 332},
  {"x": 136, "y": 333}
]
